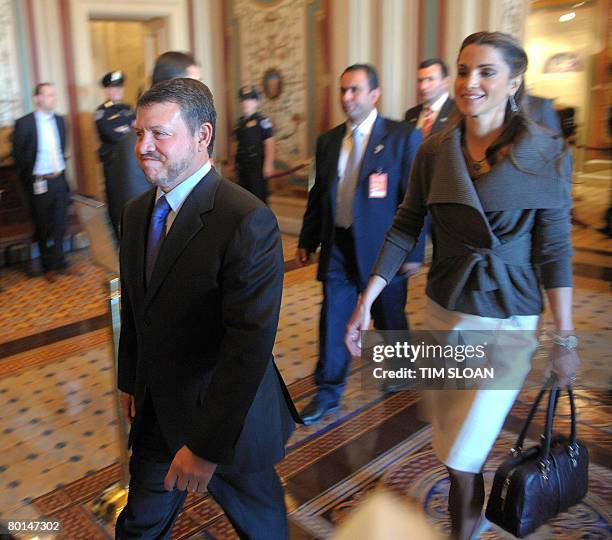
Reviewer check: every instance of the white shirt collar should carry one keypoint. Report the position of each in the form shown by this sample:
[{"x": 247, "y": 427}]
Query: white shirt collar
[
  {"x": 365, "y": 128},
  {"x": 42, "y": 115},
  {"x": 437, "y": 105},
  {"x": 176, "y": 197}
]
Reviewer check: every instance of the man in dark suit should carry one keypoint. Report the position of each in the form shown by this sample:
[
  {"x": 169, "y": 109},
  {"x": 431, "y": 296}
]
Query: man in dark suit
[
  {"x": 362, "y": 169},
  {"x": 39, "y": 144},
  {"x": 126, "y": 179},
  {"x": 202, "y": 272},
  {"x": 432, "y": 113}
]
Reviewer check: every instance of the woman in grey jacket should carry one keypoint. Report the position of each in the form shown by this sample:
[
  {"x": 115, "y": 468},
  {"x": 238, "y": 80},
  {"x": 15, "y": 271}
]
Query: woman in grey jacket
[{"x": 497, "y": 187}]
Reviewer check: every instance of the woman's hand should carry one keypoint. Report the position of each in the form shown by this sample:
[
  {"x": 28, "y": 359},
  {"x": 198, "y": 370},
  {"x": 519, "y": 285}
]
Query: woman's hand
[
  {"x": 360, "y": 320},
  {"x": 564, "y": 363}
]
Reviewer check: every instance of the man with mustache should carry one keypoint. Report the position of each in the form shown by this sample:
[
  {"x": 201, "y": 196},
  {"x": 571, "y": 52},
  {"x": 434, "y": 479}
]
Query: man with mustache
[
  {"x": 362, "y": 169},
  {"x": 125, "y": 178},
  {"x": 201, "y": 281}
]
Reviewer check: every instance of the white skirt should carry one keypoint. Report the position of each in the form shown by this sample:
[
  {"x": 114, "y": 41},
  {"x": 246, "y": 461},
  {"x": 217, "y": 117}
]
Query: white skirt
[{"x": 466, "y": 423}]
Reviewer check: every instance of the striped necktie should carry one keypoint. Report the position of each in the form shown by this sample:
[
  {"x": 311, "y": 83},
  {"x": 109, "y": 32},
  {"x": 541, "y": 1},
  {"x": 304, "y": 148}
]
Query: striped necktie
[{"x": 427, "y": 122}]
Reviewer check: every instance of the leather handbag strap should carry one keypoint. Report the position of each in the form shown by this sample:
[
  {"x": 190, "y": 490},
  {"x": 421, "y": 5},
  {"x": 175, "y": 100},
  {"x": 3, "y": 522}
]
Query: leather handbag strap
[
  {"x": 534, "y": 408},
  {"x": 550, "y": 415}
]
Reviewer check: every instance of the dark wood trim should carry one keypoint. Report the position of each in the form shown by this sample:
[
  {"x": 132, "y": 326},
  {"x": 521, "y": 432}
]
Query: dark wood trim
[
  {"x": 27, "y": 343},
  {"x": 75, "y": 132},
  {"x": 421, "y": 20},
  {"x": 441, "y": 28},
  {"x": 326, "y": 25},
  {"x": 229, "y": 95},
  {"x": 191, "y": 24},
  {"x": 35, "y": 69}
]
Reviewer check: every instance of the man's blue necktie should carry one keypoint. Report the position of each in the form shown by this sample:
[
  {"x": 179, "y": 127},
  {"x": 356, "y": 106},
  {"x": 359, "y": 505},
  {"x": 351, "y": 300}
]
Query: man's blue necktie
[{"x": 157, "y": 233}]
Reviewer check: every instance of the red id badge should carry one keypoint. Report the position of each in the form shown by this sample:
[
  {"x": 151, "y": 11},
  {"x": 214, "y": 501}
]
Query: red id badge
[{"x": 378, "y": 186}]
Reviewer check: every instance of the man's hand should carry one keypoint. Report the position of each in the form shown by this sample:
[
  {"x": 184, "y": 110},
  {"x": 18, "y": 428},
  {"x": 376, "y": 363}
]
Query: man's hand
[
  {"x": 409, "y": 269},
  {"x": 301, "y": 256},
  {"x": 127, "y": 406},
  {"x": 189, "y": 472}
]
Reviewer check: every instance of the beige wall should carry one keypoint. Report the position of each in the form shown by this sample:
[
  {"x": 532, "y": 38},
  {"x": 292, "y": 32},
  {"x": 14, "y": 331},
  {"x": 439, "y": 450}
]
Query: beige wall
[
  {"x": 122, "y": 45},
  {"x": 546, "y": 36}
]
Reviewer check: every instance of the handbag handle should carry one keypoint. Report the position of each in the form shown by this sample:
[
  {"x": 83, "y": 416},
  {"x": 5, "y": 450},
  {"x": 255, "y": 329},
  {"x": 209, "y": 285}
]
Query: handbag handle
[
  {"x": 552, "y": 404},
  {"x": 518, "y": 447},
  {"x": 550, "y": 415}
]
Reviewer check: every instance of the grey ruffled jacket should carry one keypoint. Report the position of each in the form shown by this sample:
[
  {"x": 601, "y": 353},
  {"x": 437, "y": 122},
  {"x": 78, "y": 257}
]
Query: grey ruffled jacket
[{"x": 497, "y": 238}]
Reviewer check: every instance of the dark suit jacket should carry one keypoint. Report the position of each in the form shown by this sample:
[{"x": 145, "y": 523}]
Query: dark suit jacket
[
  {"x": 412, "y": 115},
  {"x": 126, "y": 180},
  {"x": 391, "y": 149},
  {"x": 25, "y": 145},
  {"x": 199, "y": 338},
  {"x": 541, "y": 111}
]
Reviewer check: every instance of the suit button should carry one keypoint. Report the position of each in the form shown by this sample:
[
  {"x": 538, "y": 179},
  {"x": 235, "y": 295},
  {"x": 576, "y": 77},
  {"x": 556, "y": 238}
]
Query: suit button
[{"x": 147, "y": 321}]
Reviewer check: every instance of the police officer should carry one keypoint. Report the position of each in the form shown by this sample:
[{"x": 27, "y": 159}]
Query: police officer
[
  {"x": 113, "y": 120},
  {"x": 254, "y": 159}
]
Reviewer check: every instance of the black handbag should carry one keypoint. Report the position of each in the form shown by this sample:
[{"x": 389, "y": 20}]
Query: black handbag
[{"x": 534, "y": 485}]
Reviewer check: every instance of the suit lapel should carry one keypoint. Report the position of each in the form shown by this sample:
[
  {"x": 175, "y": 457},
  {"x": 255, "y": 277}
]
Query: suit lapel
[
  {"x": 415, "y": 113},
  {"x": 141, "y": 230},
  {"x": 186, "y": 225},
  {"x": 34, "y": 143},
  {"x": 379, "y": 132},
  {"x": 334, "y": 156},
  {"x": 443, "y": 115},
  {"x": 61, "y": 131}
]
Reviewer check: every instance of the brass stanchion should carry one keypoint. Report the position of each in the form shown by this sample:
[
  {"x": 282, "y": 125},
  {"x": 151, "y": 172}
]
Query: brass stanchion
[{"x": 92, "y": 215}]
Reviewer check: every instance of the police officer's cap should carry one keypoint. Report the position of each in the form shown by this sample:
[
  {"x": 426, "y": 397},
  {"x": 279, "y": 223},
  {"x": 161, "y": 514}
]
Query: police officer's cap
[
  {"x": 248, "y": 92},
  {"x": 113, "y": 78}
]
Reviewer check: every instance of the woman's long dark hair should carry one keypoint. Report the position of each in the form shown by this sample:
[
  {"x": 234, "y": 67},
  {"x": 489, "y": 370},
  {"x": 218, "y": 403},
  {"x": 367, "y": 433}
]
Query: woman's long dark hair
[
  {"x": 516, "y": 58},
  {"x": 515, "y": 122}
]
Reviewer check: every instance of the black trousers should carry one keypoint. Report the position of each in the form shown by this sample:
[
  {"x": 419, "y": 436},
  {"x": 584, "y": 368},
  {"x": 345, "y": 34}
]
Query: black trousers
[
  {"x": 110, "y": 184},
  {"x": 49, "y": 212},
  {"x": 251, "y": 178},
  {"x": 253, "y": 502}
]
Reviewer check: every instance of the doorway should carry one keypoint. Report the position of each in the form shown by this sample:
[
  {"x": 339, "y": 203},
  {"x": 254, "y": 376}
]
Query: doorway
[{"x": 130, "y": 46}]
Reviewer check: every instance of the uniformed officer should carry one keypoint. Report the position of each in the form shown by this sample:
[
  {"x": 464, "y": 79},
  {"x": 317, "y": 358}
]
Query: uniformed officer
[
  {"x": 113, "y": 120},
  {"x": 254, "y": 159}
]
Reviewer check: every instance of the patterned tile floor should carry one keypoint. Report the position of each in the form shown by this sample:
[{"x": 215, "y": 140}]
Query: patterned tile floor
[{"x": 59, "y": 446}]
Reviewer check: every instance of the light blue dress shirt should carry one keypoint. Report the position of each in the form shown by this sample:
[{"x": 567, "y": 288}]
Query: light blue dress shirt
[
  {"x": 176, "y": 197},
  {"x": 49, "y": 156}
]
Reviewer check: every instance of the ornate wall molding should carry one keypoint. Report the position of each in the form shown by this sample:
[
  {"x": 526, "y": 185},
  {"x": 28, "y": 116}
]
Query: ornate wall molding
[
  {"x": 273, "y": 57},
  {"x": 11, "y": 105}
]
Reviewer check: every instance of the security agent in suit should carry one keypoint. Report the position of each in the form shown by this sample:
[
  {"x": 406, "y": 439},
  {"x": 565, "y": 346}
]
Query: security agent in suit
[
  {"x": 254, "y": 145},
  {"x": 362, "y": 169},
  {"x": 113, "y": 120},
  {"x": 431, "y": 115},
  {"x": 39, "y": 145},
  {"x": 200, "y": 307},
  {"x": 127, "y": 178}
]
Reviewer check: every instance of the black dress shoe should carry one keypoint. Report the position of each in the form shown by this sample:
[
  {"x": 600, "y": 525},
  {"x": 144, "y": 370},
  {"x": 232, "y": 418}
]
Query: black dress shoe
[
  {"x": 392, "y": 388},
  {"x": 315, "y": 410},
  {"x": 70, "y": 271}
]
